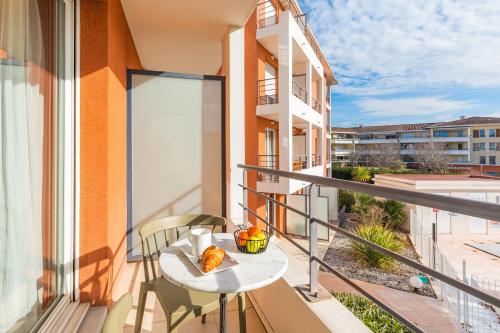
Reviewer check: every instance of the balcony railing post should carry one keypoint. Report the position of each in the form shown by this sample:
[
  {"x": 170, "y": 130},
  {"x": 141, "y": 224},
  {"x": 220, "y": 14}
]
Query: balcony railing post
[
  {"x": 245, "y": 198},
  {"x": 313, "y": 244}
]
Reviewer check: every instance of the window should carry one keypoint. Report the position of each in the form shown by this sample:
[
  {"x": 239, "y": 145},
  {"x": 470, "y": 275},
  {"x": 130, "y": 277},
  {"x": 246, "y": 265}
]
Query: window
[
  {"x": 390, "y": 136},
  {"x": 32, "y": 90},
  {"x": 475, "y": 133},
  {"x": 460, "y": 146},
  {"x": 482, "y": 146},
  {"x": 482, "y": 159},
  {"x": 482, "y": 133},
  {"x": 493, "y": 160},
  {"x": 492, "y": 133},
  {"x": 475, "y": 147},
  {"x": 460, "y": 134},
  {"x": 492, "y": 146}
]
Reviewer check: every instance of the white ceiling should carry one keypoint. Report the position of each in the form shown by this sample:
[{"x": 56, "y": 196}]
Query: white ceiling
[{"x": 183, "y": 35}]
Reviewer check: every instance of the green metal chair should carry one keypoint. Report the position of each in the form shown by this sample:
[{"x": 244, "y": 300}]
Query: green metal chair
[
  {"x": 179, "y": 304},
  {"x": 118, "y": 314}
]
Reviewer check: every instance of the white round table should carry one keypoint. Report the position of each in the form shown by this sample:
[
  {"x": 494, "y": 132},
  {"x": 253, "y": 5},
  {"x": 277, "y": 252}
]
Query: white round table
[{"x": 254, "y": 271}]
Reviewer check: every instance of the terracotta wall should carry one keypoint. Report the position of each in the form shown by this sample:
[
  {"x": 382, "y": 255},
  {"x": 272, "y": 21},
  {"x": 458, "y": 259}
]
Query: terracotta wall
[{"x": 107, "y": 50}]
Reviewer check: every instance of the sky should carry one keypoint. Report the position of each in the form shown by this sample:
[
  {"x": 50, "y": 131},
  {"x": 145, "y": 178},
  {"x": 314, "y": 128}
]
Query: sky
[{"x": 407, "y": 61}]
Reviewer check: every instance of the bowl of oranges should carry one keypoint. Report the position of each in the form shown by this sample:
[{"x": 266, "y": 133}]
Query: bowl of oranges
[{"x": 251, "y": 240}]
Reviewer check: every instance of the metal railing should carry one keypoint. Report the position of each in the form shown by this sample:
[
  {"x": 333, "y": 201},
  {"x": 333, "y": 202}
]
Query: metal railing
[
  {"x": 267, "y": 91},
  {"x": 315, "y": 105},
  {"x": 268, "y": 14},
  {"x": 458, "y": 205},
  {"x": 315, "y": 160},
  {"x": 300, "y": 162},
  {"x": 268, "y": 162},
  {"x": 299, "y": 91}
]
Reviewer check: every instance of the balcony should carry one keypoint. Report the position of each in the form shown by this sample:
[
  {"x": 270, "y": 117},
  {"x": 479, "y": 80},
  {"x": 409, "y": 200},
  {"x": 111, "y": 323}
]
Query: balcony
[
  {"x": 316, "y": 105},
  {"x": 299, "y": 91},
  {"x": 267, "y": 91},
  {"x": 445, "y": 314},
  {"x": 300, "y": 162},
  {"x": 316, "y": 160},
  {"x": 268, "y": 162}
]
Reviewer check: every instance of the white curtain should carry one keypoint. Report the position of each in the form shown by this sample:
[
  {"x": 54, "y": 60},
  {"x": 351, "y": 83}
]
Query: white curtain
[{"x": 21, "y": 165}]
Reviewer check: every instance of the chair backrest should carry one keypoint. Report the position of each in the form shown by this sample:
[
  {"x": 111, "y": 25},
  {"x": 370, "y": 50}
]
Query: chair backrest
[
  {"x": 118, "y": 314},
  {"x": 153, "y": 231}
]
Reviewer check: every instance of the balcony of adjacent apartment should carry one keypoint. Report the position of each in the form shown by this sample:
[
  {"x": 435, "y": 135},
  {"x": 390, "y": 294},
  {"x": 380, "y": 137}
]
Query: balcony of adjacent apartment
[
  {"x": 375, "y": 138},
  {"x": 450, "y": 136},
  {"x": 270, "y": 18},
  {"x": 345, "y": 138}
]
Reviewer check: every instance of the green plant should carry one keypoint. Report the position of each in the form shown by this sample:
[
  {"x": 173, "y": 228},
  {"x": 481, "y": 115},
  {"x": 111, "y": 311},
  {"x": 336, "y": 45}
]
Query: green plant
[
  {"x": 381, "y": 236},
  {"x": 371, "y": 314},
  {"x": 373, "y": 215},
  {"x": 361, "y": 174},
  {"x": 346, "y": 198},
  {"x": 363, "y": 202},
  {"x": 342, "y": 173},
  {"x": 395, "y": 211}
]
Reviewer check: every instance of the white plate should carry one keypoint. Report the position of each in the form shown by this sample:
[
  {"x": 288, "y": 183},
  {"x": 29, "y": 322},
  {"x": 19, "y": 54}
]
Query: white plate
[{"x": 227, "y": 263}]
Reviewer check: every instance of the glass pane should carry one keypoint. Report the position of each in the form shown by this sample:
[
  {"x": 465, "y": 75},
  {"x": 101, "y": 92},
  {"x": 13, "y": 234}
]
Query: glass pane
[
  {"x": 175, "y": 147},
  {"x": 29, "y": 71}
]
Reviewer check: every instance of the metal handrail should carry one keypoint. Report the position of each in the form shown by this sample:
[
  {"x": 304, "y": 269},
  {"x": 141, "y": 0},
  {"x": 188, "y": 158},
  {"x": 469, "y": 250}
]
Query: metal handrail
[
  {"x": 299, "y": 91},
  {"x": 264, "y": 8},
  {"x": 315, "y": 105},
  {"x": 315, "y": 159},
  {"x": 300, "y": 162},
  {"x": 468, "y": 207},
  {"x": 267, "y": 91},
  {"x": 268, "y": 162}
]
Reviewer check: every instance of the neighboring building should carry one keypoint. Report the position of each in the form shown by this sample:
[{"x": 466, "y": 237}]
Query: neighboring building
[
  {"x": 472, "y": 141},
  {"x": 480, "y": 188}
]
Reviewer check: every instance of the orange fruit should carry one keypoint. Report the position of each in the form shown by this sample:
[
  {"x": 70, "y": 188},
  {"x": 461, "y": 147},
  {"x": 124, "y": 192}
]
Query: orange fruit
[
  {"x": 253, "y": 231},
  {"x": 243, "y": 236}
]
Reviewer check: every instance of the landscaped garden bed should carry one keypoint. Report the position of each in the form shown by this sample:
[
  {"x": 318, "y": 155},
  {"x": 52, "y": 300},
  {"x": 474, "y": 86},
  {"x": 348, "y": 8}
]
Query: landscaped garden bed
[
  {"x": 377, "y": 221},
  {"x": 371, "y": 314}
]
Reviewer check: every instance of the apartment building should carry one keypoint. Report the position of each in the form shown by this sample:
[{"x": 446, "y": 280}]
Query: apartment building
[
  {"x": 117, "y": 112},
  {"x": 467, "y": 141}
]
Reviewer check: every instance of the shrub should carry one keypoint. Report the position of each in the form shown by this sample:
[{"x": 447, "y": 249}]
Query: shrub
[
  {"x": 373, "y": 215},
  {"x": 346, "y": 198},
  {"x": 381, "y": 236},
  {"x": 371, "y": 314},
  {"x": 361, "y": 174},
  {"x": 395, "y": 211},
  {"x": 342, "y": 173},
  {"x": 363, "y": 202}
]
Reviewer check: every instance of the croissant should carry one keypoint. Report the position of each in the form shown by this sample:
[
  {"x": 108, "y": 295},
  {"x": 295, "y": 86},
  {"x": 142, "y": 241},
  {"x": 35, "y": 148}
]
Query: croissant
[{"x": 211, "y": 258}]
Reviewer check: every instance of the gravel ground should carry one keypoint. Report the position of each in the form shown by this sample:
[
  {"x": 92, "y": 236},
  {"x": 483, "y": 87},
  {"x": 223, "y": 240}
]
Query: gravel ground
[{"x": 342, "y": 258}]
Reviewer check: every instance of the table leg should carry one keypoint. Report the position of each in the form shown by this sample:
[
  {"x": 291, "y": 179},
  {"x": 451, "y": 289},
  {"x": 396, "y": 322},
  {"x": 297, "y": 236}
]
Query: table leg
[{"x": 222, "y": 310}]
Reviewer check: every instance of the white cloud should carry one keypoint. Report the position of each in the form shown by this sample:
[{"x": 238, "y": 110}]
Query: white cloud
[
  {"x": 379, "y": 47},
  {"x": 438, "y": 106}
]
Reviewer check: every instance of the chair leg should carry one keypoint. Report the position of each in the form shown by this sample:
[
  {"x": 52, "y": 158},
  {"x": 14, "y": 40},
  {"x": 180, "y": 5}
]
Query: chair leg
[
  {"x": 203, "y": 318},
  {"x": 143, "y": 294},
  {"x": 241, "y": 312}
]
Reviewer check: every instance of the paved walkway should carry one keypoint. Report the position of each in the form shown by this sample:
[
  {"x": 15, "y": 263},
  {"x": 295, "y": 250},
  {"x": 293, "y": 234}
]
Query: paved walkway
[{"x": 426, "y": 312}]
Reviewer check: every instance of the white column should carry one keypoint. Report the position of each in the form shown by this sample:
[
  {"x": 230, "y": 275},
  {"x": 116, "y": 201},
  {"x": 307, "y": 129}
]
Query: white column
[
  {"x": 235, "y": 75},
  {"x": 308, "y": 82},
  {"x": 284, "y": 91}
]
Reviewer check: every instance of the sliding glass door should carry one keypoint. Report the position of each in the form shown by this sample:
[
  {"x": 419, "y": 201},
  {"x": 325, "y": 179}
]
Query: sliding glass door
[{"x": 31, "y": 71}]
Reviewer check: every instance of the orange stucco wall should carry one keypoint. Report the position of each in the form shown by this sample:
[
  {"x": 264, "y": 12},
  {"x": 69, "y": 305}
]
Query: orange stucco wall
[{"x": 107, "y": 50}]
